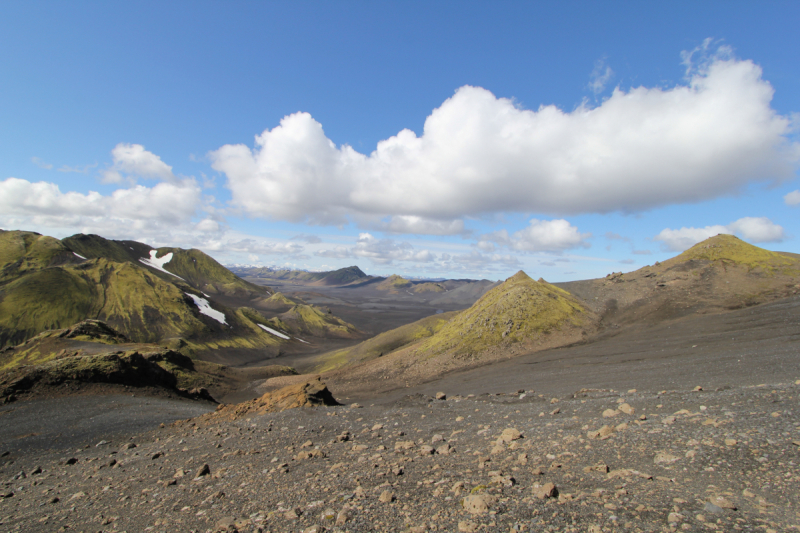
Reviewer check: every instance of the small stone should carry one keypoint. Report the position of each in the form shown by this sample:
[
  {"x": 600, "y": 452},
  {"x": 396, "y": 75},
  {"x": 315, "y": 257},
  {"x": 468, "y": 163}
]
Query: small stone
[
  {"x": 610, "y": 413},
  {"x": 403, "y": 445},
  {"x": 386, "y": 497},
  {"x": 426, "y": 450},
  {"x": 719, "y": 501},
  {"x": 626, "y": 408},
  {"x": 441, "y": 396},
  {"x": 731, "y": 442},
  {"x": 314, "y": 529},
  {"x": 555, "y": 411},
  {"x": 697, "y": 388},
  {"x": 776, "y": 414},
  {"x": 227, "y": 523},
  {"x": 343, "y": 516},
  {"x": 548, "y": 490},
  {"x": 467, "y": 526},
  {"x": 674, "y": 518},
  {"x": 711, "y": 508},
  {"x": 202, "y": 471},
  {"x": 478, "y": 503},
  {"x": 510, "y": 434},
  {"x": 664, "y": 458}
]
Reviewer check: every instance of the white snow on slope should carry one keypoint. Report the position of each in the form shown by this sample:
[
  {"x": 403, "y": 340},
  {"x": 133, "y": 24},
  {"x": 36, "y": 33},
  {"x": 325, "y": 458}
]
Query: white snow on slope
[
  {"x": 206, "y": 309},
  {"x": 276, "y": 333},
  {"x": 159, "y": 262},
  {"x": 79, "y": 255},
  {"x": 301, "y": 340}
]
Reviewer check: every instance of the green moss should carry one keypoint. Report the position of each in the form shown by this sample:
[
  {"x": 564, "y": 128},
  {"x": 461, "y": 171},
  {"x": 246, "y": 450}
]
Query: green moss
[
  {"x": 393, "y": 282},
  {"x": 729, "y": 249},
  {"x": 518, "y": 310},
  {"x": 383, "y": 343},
  {"x": 429, "y": 287},
  {"x": 312, "y": 320}
]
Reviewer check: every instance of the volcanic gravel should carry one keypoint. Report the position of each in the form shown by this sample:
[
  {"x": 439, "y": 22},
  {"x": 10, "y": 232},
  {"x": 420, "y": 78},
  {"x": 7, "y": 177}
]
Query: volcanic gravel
[{"x": 595, "y": 460}]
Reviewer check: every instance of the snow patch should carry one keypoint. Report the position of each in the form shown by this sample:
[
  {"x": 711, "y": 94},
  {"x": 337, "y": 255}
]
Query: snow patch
[
  {"x": 159, "y": 262},
  {"x": 301, "y": 340},
  {"x": 79, "y": 255},
  {"x": 276, "y": 333},
  {"x": 206, "y": 309}
]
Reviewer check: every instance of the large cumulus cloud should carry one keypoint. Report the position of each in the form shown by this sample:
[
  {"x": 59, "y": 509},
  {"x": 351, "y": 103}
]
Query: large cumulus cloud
[{"x": 479, "y": 154}]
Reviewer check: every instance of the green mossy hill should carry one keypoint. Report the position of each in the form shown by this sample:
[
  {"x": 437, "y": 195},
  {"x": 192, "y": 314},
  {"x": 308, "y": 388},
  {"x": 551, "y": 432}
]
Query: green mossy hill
[
  {"x": 279, "y": 301},
  {"x": 195, "y": 267},
  {"x": 25, "y": 251},
  {"x": 312, "y": 320},
  {"x": 130, "y": 299},
  {"x": 518, "y": 310},
  {"x": 384, "y": 343},
  {"x": 343, "y": 276},
  {"x": 393, "y": 283},
  {"x": 729, "y": 249},
  {"x": 132, "y": 368},
  {"x": 429, "y": 287}
]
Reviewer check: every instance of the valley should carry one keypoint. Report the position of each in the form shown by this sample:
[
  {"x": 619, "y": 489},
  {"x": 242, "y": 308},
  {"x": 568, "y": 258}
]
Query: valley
[{"x": 662, "y": 399}]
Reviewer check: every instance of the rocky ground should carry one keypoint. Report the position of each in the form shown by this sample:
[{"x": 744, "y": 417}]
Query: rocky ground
[{"x": 514, "y": 460}]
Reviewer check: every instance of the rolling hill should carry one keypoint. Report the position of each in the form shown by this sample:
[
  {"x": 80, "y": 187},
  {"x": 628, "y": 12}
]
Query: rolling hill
[{"x": 49, "y": 284}]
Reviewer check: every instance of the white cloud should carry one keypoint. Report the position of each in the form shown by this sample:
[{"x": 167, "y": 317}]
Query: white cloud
[
  {"x": 379, "y": 251},
  {"x": 600, "y": 76},
  {"x": 41, "y": 164},
  {"x": 759, "y": 229},
  {"x": 793, "y": 198},
  {"x": 136, "y": 162},
  {"x": 478, "y": 154},
  {"x": 423, "y": 226},
  {"x": 138, "y": 212},
  {"x": 749, "y": 228},
  {"x": 540, "y": 236}
]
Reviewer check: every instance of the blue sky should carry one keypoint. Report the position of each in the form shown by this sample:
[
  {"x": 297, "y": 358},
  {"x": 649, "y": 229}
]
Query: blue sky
[{"x": 444, "y": 139}]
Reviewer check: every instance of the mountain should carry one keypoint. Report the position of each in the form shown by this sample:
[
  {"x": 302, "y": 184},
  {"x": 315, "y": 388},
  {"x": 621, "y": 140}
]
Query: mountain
[
  {"x": 718, "y": 274},
  {"x": 304, "y": 319},
  {"x": 394, "y": 284},
  {"x": 47, "y": 284},
  {"x": 192, "y": 266},
  {"x": 343, "y": 276},
  {"x": 518, "y": 310}
]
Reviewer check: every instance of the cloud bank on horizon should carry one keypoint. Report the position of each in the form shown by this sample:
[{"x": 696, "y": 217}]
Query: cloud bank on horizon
[{"x": 478, "y": 156}]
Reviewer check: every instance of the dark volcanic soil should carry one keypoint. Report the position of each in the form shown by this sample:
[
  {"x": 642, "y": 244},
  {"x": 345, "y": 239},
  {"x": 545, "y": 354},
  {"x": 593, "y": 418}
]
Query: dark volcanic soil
[{"x": 670, "y": 458}]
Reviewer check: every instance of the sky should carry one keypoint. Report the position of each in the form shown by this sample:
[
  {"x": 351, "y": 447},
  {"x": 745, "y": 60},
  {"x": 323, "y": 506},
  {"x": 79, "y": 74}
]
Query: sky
[{"x": 427, "y": 139}]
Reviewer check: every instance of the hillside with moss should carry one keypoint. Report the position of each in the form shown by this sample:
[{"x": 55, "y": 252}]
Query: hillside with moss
[
  {"x": 718, "y": 274},
  {"x": 47, "y": 285},
  {"x": 393, "y": 284},
  {"x": 197, "y": 269},
  {"x": 383, "y": 343},
  {"x": 518, "y": 310},
  {"x": 304, "y": 319}
]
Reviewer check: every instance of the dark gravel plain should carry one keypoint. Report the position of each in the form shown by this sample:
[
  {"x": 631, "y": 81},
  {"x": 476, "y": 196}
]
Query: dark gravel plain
[{"x": 616, "y": 426}]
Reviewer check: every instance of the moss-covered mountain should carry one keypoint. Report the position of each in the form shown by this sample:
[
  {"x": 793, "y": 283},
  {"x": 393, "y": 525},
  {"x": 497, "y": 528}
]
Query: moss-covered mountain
[
  {"x": 192, "y": 266},
  {"x": 46, "y": 284},
  {"x": 718, "y": 274},
  {"x": 394, "y": 284},
  {"x": 519, "y": 310},
  {"x": 304, "y": 319}
]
